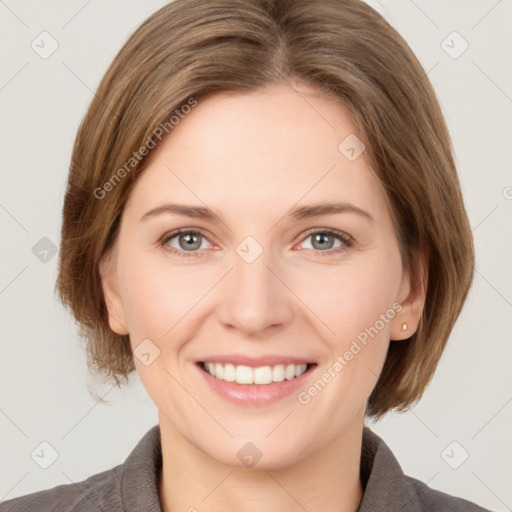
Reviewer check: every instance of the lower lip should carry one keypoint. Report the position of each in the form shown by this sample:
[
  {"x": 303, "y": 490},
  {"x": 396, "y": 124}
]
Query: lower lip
[{"x": 255, "y": 394}]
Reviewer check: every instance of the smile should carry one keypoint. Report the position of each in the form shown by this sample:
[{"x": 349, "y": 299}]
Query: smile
[{"x": 260, "y": 375}]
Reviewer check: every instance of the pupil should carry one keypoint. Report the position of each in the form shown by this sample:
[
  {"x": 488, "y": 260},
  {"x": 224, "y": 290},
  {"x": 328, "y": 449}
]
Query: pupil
[
  {"x": 321, "y": 237},
  {"x": 189, "y": 241}
]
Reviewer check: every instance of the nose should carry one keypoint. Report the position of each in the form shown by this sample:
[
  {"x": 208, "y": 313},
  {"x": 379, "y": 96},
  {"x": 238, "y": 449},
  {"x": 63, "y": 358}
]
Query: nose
[{"x": 255, "y": 298}]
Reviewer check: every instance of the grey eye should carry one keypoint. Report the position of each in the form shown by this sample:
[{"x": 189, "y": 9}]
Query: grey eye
[
  {"x": 188, "y": 241},
  {"x": 322, "y": 241}
]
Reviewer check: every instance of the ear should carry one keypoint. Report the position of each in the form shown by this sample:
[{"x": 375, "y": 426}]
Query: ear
[
  {"x": 412, "y": 298},
  {"x": 116, "y": 316}
]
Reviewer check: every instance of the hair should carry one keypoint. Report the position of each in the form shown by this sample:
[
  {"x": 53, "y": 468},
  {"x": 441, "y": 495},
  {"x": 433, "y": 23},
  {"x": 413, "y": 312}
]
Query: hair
[{"x": 343, "y": 48}]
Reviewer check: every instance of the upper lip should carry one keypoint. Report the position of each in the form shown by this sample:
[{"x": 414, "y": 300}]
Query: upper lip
[{"x": 254, "y": 362}]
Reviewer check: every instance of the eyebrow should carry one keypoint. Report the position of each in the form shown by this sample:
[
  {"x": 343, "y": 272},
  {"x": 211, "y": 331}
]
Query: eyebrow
[{"x": 302, "y": 212}]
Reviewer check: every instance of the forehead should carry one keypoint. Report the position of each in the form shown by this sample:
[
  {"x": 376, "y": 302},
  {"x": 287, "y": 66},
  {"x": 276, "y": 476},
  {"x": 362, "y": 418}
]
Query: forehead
[{"x": 263, "y": 151}]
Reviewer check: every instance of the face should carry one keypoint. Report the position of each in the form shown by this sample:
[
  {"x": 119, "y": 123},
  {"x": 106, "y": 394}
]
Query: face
[{"x": 264, "y": 276}]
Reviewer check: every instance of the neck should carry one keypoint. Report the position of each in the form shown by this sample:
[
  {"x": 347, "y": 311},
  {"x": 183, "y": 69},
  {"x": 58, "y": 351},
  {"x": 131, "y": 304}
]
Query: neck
[{"x": 326, "y": 480}]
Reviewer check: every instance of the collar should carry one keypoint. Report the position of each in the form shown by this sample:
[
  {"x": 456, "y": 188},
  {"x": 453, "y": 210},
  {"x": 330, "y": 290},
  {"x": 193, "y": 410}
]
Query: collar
[{"x": 385, "y": 485}]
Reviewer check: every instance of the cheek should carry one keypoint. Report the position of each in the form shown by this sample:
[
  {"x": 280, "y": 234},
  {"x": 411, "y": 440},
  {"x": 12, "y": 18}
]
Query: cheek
[
  {"x": 158, "y": 295},
  {"x": 350, "y": 298},
  {"x": 356, "y": 304},
  {"x": 358, "y": 309}
]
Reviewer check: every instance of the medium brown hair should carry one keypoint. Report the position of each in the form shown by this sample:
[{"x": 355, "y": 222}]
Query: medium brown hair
[{"x": 343, "y": 48}]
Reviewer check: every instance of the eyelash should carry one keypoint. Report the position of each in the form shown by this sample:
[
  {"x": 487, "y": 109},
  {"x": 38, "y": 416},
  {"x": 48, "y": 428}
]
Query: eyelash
[{"x": 347, "y": 240}]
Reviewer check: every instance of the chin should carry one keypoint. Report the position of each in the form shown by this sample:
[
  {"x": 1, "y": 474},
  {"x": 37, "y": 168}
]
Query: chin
[{"x": 256, "y": 454}]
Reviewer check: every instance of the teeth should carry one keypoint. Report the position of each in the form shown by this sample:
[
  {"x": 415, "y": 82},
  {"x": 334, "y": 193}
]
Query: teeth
[
  {"x": 243, "y": 375},
  {"x": 261, "y": 375},
  {"x": 219, "y": 370}
]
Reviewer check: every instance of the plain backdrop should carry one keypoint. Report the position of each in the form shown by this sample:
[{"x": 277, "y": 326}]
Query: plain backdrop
[{"x": 465, "y": 416}]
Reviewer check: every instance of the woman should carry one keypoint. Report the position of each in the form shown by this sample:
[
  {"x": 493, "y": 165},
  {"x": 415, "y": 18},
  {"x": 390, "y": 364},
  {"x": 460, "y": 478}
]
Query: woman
[{"x": 228, "y": 141}]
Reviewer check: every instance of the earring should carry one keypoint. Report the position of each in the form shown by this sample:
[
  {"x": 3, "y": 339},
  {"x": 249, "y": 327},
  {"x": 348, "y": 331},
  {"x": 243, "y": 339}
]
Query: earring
[{"x": 404, "y": 327}]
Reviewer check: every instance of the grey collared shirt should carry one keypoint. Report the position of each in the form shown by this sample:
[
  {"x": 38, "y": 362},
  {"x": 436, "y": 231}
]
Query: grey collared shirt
[{"x": 133, "y": 486}]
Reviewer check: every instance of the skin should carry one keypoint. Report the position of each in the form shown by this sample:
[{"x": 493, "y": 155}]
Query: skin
[{"x": 251, "y": 158}]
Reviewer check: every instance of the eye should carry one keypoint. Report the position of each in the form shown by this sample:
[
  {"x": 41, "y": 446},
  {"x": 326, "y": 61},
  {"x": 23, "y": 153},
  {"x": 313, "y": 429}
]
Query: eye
[
  {"x": 323, "y": 241},
  {"x": 189, "y": 242}
]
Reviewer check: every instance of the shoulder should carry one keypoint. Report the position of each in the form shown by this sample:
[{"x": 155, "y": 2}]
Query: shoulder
[
  {"x": 132, "y": 485},
  {"x": 388, "y": 488},
  {"x": 93, "y": 494},
  {"x": 430, "y": 499}
]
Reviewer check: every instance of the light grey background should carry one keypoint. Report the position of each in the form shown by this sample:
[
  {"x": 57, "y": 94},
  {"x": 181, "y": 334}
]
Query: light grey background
[{"x": 44, "y": 380}]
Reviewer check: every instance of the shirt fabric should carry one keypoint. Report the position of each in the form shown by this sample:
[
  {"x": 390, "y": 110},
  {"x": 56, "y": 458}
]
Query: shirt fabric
[{"x": 133, "y": 486}]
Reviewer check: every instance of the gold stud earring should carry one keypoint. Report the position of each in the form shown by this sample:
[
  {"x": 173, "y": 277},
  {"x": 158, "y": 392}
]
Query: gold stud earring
[{"x": 404, "y": 327}]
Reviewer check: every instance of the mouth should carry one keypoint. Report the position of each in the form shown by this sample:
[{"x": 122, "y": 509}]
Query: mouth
[{"x": 255, "y": 375}]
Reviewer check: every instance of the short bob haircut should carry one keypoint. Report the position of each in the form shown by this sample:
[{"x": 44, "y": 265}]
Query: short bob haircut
[{"x": 342, "y": 48}]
